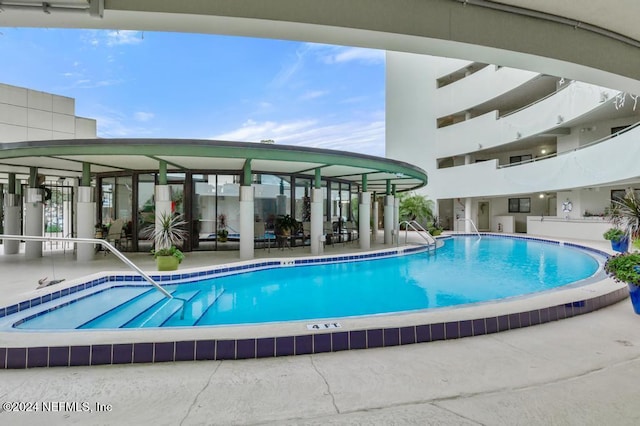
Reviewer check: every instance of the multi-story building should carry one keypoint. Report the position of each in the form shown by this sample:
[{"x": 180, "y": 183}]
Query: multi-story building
[
  {"x": 512, "y": 150},
  {"x": 28, "y": 115}
]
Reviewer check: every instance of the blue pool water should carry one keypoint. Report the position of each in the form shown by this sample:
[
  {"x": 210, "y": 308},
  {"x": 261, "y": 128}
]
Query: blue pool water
[{"x": 466, "y": 270}]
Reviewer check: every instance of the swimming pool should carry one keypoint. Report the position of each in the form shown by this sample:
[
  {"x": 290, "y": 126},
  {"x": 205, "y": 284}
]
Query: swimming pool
[{"x": 465, "y": 270}]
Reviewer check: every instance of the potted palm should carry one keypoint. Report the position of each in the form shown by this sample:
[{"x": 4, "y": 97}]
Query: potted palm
[
  {"x": 625, "y": 267},
  {"x": 168, "y": 233},
  {"x": 285, "y": 224}
]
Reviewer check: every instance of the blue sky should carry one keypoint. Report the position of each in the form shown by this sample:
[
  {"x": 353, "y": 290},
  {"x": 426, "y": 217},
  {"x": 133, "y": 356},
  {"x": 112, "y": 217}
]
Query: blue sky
[{"x": 174, "y": 85}]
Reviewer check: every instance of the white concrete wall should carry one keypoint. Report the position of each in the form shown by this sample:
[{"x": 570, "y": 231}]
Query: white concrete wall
[
  {"x": 479, "y": 87},
  {"x": 27, "y": 115},
  {"x": 411, "y": 112},
  {"x": 489, "y": 131},
  {"x": 601, "y": 164}
]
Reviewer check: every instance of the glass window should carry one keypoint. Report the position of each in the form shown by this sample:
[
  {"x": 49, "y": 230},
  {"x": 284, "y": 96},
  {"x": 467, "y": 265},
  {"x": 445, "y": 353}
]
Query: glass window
[
  {"x": 303, "y": 199},
  {"x": 146, "y": 209}
]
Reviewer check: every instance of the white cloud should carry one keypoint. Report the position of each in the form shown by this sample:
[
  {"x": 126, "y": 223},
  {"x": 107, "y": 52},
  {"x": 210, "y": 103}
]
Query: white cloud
[
  {"x": 340, "y": 54},
  {"x": 118, "y": 37},
  {"x": 362, "y": 137},
  {"x": 314, "y": 94},
  {"x": 143, "y": 116},
  {"x": 111, "y": 38}
]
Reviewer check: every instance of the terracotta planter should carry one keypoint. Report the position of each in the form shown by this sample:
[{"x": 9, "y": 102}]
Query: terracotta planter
[{"x": 167, "y": 263}]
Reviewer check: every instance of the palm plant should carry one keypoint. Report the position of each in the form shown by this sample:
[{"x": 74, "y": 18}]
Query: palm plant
[
  {"x": 416, "y": 207},
  {"x": 625, "y": 214},
  {"x": 168, "y": 233}
]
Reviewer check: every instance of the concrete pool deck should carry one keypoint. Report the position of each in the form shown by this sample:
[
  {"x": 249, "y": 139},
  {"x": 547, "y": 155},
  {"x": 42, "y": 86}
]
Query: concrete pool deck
[{"x": 581, "y": 370}]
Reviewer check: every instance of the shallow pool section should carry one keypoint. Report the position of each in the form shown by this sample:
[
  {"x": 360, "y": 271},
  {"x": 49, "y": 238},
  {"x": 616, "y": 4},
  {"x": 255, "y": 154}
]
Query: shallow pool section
[{"x": 465, "y": 270}]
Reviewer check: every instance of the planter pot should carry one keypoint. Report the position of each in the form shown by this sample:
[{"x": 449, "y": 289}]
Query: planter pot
[
  {"x": 620, "y": 245},
  {"x": 634, "y": 294},
  {"x": 167, "y": 263}
]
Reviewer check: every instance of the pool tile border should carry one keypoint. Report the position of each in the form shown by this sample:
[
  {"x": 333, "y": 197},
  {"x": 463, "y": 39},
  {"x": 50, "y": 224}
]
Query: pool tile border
[
  {"x": 266, "y": 347},
  {"x": 303, "y": 344}
]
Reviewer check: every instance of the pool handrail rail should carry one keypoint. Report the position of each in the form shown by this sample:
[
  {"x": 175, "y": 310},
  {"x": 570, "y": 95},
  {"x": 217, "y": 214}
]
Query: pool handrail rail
[
  {"x": 103, "y": 243},
  {"x": 426, "y": 235},
  {"x": 464, "y": 219}
]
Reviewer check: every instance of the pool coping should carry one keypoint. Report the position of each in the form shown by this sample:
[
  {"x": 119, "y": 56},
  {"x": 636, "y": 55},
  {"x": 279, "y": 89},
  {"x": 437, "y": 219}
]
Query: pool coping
[{"x": 26, "y": 349}]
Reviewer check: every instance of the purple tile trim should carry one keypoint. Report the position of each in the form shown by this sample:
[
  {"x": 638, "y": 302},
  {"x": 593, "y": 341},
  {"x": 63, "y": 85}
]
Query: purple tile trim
[
  {"x": 451, "y": 330},
  {"x": 534, "y": 316},
  {"x": 358, "y": 339},
  {"x": 304, "y": 344},
  {"x": 514, "y": 321},
  {"x": 525, "y": 319},
  {"x": 437, "y": 331},
  {"x": 544, "y": 315},
  {"x": 246, "y": 349},
  {"x": 375, "y": 338},
  {"x": 17, "y": 358},
  {"x": 123, "y": 353},
  {"x": 186, "y": 350},
  {"x": 142, "y": 352},
  {"x": 466, "y": 329},
  {"x": 568, "y": 309},
  {"x": 226, "y": 349},
  {"x": 562, "y": 313},
  {"x": 80, "y": 355},
  {"x": 503, "y": 323},
  {"x": 407, "y": 335},
  {"x": 59, "y": 356},
  {"x": 340, "y": 341},
  {"x": 391, "y": 336},
  {"x": 37, "y": 357},
  {"x": 266, "y": 347},
  {"x": 205, "y": 349},
  {"x": 101, "y": 354},
  {"x": 423, "y": 333},
  {"x": 478, "y": 327},
  {"x": 3, "y": 357},
  {"x": 285, "y": 346},
  {"x": 321, "y": 343},
  {"x": 164, "y": 352},
  {"x": 553, "y": 313},
  {"x": 491, "y": 325}
]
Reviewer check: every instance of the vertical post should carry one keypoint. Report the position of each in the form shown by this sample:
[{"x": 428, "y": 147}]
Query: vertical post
[
  {"x": 11, "y": 216},
  {"x": 364, "y": 216},
  {"x": 163, "y": 195},
  {"x": 467, "y": 215},
  {"x": 246, "y": 213},
  {"x": 317, "y": 201},
  {"x": 396, "y": 214},
  {"x": 389, "y": 205},
  {"x": 86, "y": 215},
  {"x": 33, "y": 215},
  {"x": 376, "y": 207}
]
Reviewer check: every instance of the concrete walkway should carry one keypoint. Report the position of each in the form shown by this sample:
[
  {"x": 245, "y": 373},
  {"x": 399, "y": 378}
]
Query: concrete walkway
[{"x": 578, "y": 371}]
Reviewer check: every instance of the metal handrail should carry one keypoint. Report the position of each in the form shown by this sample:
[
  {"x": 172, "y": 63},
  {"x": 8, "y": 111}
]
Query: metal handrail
[
  {"x": 103, "y": 243},
  {"x": 472, "y": 224},
  {"x": 419, "y": 229}
]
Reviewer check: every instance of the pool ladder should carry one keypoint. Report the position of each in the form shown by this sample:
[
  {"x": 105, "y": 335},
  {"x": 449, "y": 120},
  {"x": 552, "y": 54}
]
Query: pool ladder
[
  {"x": 103, "y": 243},
  {"x": 426, "y": 235}
]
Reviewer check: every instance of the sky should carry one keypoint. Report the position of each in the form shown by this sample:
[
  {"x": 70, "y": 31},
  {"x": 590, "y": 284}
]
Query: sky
[{"x": 175, "y": 85}]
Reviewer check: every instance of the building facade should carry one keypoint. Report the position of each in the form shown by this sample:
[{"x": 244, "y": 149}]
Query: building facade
[{"x": 512, "y": 150}]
